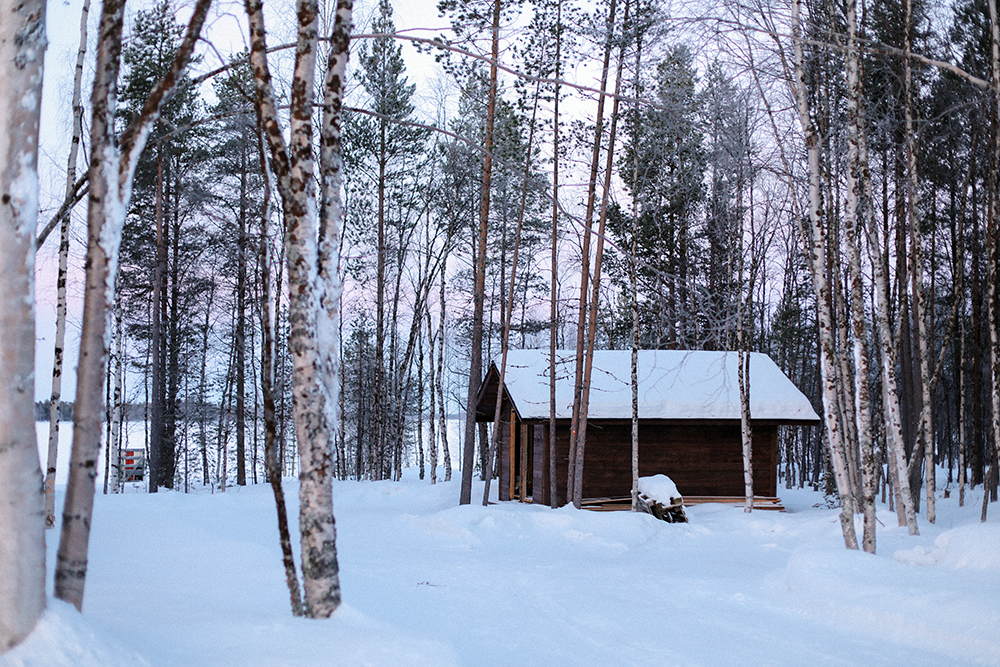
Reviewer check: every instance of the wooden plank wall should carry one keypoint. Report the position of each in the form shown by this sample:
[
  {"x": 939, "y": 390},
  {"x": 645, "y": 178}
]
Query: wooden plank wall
[{"x": 703, "y": 460}]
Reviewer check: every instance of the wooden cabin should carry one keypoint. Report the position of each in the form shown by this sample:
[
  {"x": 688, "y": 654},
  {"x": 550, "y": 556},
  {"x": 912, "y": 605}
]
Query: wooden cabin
[{"x": 689, "y": 422}]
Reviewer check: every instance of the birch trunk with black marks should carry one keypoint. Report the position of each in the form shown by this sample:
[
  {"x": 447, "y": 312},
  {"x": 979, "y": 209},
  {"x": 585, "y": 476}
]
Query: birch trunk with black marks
[
  {"x": 22, "y": 501},
  {"x": 60, "y": 342},
  {"x": 857, "y": 207},
  {"x": 991, "y": 238},
  {"x": 272, "y": 460},
  {"x": 112, "y": 167},
  {"x": 113, "y": 480},
  {"x": 815, "y": 240},
  {"x": 312, "y": 256},
  {"x": 442, "y": 406},
  {"x": 746, "y": 430}
]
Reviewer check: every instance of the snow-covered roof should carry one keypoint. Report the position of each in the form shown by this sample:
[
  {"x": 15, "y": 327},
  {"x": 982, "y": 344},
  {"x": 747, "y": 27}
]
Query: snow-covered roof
[{"x": 673, "y": 384}]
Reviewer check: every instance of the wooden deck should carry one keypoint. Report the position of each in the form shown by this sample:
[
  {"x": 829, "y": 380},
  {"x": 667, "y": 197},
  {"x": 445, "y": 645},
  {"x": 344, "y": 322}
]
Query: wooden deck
[{"x": 767, "y": 503}]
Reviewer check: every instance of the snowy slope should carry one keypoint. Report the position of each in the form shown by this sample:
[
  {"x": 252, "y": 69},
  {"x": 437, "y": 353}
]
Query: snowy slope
[{"x": 195, "y": 580}]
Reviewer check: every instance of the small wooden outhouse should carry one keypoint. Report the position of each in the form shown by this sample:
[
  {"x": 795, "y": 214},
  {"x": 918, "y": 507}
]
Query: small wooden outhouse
[{"x": 689, "y": 422}]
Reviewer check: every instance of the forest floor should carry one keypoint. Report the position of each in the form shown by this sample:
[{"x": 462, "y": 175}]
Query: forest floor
[{"x": 195, "y": 580}]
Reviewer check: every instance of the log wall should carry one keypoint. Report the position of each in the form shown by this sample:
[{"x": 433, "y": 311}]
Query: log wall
[{"x": 701, "y": 459}]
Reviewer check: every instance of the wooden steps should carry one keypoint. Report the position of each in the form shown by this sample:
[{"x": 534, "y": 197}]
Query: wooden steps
[
  {"x": 759, "y": 502},
  {"x": 767, "y": 503},
  {"x": 607, "y": 504}
]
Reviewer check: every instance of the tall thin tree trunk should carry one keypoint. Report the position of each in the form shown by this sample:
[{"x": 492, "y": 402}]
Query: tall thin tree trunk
[
  {"x": 509, "y": 307},
  {"x": 815, "y": 239},
  {"x": 271, "y": 453},
  {"x": 113, "y": 478},
  {"x": 595, "y": 164},
  {"x": 926, "y": 432},
  {"x": 993, "y": 275},
  {"x": 633, "y": 271},
  {"x": 57, "y": 364},
  {"x": 553, "y": 311},
  {"x": 479, "y": 293},
  {"x": 432, "y": 421},
  {"x": 442, "y": 405},
  {"x": 203, "y": 391},
  {"x": 581, "y": 433},
  {"x": 241, "y": 316},
  {"x": 858, "y": 209},
  {"x": 156, "y": 339}
]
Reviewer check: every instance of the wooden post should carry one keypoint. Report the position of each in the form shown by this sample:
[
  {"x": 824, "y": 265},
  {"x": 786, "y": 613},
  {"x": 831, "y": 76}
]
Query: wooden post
[
  {"x": 512, "y": 444},
  {"x": 524, "y": 442}
]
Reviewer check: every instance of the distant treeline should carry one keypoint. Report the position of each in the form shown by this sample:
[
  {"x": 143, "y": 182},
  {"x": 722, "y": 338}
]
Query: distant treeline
[{"x": 134, "y": 412}]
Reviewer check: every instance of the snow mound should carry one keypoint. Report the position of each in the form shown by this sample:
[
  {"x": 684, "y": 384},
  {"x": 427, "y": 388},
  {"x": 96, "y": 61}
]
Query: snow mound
[
  {"x": 660, "y": 488},
  {"x": 976, "y": 547},
  {"x": 63, "y": 638},
  {"x": 920, "y": 555}
]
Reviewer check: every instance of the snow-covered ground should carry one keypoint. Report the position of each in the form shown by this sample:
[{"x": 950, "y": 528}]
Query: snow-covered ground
[{"x": 181, "y": 580}]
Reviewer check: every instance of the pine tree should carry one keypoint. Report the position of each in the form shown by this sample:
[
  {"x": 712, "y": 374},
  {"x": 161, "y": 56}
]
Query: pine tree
[
  {"x": 161, "y": 232},
  {"x": 387, "y": 153}
]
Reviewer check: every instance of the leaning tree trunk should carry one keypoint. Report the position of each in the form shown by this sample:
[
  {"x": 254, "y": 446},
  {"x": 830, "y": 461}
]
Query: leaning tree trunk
[
  {"x": 509, "y": 314},
  {"x": 271, "y": 453},
  {"x": 22, "y": 502},
  {"x": 584, "y": 386},
  {"x": 588, "y": 218},
  {"x": 112, "y": 166}
]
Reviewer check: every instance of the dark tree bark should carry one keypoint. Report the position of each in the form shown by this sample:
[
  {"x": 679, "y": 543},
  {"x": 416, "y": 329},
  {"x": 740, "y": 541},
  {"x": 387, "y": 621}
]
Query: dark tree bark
[{"x": 479, "y": 290}]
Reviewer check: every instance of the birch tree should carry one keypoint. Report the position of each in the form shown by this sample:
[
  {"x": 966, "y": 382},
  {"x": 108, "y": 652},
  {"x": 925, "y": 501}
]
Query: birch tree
[
  {"x": 992, "y": 237},
  {"x": 311, "y": 252},
  {"x": 815, "y": 238},
  {"x": 112, "y": 167},
  {"x": 857, "y": 175},
  {"x": 22, "y": 504},
  {"x": 60, "y": 342}
]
